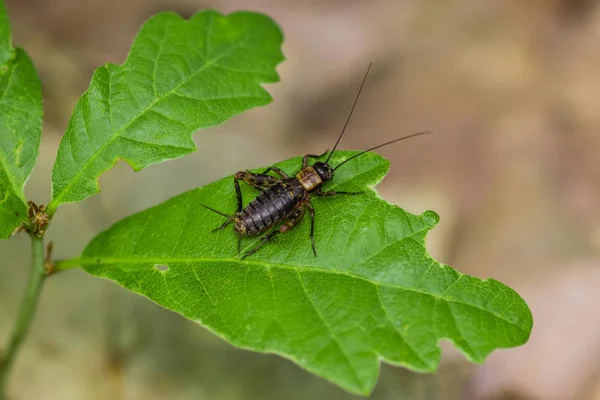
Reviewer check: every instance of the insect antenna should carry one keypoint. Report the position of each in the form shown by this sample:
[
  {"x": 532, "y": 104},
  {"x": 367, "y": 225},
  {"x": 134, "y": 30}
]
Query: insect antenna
[
  {"x": 230, "y": 217},
  {"x": 381, "y": 145},
  {"x": 350, "y": 115}
]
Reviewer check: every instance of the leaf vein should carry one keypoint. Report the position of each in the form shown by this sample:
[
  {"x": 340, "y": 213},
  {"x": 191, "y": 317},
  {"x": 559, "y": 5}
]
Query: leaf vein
[
  {"x": 330, "y": 329},
  {"x": 391, "y": 321},
  {"x": 158, "y": 54}
]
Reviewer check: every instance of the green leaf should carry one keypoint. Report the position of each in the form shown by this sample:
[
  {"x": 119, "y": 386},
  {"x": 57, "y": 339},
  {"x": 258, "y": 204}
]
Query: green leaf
[
  {"x": 180, "y": 76},
  {"x": 5, "y": 37},
  {"x": 373, "y": 293},
  {"x": 20, "y": 127}
]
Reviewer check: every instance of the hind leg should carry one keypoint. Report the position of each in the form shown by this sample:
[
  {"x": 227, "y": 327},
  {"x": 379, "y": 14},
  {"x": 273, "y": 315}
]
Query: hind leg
[
  {"x": 257, "y": 181},
  {"x": 311, "y": 210},
  {"x": 277, "y": 171}
]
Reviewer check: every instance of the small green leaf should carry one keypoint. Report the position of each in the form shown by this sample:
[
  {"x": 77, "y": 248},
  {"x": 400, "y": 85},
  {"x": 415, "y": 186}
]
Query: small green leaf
[
  {"x": 179, "y": 76},
  {"x": 373, "y": 293},
  {"x": 20, "y": 127}
]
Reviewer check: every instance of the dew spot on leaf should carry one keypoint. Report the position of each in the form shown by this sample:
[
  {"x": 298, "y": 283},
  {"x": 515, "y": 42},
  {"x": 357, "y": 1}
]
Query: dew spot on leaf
[{"x": 161, "y": 267}]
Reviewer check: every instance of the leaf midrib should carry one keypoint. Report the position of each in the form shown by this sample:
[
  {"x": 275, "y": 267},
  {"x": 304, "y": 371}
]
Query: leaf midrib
[
  {"x": 57, "y": 200},
  {"x": 296, "y": 268}
]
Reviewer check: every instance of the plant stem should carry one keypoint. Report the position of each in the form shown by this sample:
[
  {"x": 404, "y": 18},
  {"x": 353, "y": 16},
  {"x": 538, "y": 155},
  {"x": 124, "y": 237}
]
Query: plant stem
[{"x": 37, "y": 275}]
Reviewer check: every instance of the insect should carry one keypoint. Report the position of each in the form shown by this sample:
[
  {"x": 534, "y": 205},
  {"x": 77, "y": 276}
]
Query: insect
[{"x": 285, "y": 199}]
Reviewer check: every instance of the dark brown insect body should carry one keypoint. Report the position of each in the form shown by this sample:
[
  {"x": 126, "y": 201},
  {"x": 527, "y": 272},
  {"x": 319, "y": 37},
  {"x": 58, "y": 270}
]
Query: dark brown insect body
[
  {"x": 269, "y": 208},
  {"x": 278, "y": 200},
  {"x": 283, "y": 200}
]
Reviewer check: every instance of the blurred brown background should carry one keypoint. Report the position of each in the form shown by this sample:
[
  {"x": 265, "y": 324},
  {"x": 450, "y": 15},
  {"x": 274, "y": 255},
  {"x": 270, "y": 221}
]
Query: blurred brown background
[{"x": 512, "y": 90}]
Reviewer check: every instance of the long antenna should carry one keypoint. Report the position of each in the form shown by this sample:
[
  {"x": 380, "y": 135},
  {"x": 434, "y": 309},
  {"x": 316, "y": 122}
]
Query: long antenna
[
  {"x": 351, "y": 111},
  {"x": 381, "y": 145}
]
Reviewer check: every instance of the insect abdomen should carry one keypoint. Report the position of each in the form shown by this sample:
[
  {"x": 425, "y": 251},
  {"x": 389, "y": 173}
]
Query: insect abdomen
[{"x": 268, "y": 209}]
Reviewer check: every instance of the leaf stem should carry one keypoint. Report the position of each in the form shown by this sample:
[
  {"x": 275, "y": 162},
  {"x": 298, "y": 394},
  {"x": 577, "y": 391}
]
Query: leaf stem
[
  {"x": 29, "y": 303},
  {"x": 61, "y": 265}
]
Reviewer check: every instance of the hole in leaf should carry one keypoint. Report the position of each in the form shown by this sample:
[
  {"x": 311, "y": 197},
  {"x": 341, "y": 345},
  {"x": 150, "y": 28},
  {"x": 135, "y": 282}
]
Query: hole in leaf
[{"x": 161, "y": 267}]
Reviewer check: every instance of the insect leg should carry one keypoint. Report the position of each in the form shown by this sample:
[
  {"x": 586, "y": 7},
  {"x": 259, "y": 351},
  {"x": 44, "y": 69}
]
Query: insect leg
[
  {"x": 257, "y": 181},
  {"x": 264, "y": 241},
  {"x": 333, "y": 193},
  {"x": 277, "y": 171},
  {"x": 238, "y": 191},
  {"x": 230, "y": 218},
  {"x": 291, "y": 221},
  {"x": 311, "y": 210},
  {"x": 220, "y": 228},
  {"x": 307, "y": 156}
]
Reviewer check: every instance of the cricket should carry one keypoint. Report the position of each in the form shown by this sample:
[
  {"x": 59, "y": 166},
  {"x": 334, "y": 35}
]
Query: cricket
[{"x": 283, "y": 200}]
